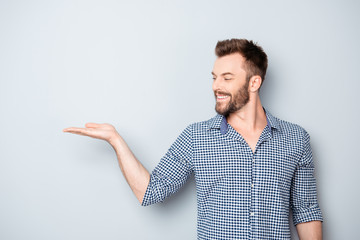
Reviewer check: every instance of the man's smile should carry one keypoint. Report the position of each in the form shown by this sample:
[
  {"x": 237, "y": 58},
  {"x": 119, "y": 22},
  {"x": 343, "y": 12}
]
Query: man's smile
[{"x": 222, "y": 97}]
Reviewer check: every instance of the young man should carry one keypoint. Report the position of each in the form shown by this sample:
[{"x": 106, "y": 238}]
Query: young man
[{"x": 250, "y": 167}]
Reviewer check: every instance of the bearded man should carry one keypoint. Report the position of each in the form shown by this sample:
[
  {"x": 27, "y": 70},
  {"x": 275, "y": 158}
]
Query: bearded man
[{"x": 250, "y": 167}]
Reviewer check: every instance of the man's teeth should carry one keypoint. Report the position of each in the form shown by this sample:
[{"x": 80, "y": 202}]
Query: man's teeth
[{"x": 222, "y": 97}]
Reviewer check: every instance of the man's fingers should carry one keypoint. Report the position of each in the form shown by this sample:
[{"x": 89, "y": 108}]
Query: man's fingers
[
  {"x": 90, "y": 132},
  {"x": 81, "y": 131},
  {"x": 102, "y": 131},
  {"x": 69, "y": 129},
  {"x": 74, "y": 130},
  {"x": 66, "y": 129},
  {"x": 92, "y": 125}
]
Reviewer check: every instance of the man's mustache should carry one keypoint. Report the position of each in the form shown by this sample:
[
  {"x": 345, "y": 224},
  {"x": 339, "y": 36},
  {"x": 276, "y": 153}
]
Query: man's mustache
[{"x": 222, "y": 93}]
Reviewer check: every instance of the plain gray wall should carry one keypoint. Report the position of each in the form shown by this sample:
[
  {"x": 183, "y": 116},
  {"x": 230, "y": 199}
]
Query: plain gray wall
[{"x": 144, "y": 66}]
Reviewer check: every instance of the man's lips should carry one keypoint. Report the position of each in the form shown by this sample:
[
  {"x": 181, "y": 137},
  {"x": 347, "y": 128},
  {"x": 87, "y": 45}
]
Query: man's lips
[{"x": 221, "y": 96}]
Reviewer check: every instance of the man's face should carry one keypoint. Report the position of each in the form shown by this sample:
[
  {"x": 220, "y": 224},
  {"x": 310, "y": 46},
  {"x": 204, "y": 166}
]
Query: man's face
[{"x": 230, "y": 85}]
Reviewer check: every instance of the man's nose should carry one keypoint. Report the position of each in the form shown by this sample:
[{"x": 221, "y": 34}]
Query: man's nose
[{"x": 217, "y": 84}]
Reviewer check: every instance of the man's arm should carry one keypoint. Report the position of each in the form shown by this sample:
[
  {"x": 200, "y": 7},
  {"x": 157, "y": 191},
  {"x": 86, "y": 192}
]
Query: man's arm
[
  {"x": 310, "y": 230},
  {"x": 307, "y": 215},
  {"x": 134, "y": 172}
]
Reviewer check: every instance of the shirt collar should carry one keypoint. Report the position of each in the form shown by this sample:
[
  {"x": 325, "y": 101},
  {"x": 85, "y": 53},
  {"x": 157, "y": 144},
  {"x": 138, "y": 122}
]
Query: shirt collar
[
  {"x": 219, "y": 122},
  {"x": 272, "y": 121}
]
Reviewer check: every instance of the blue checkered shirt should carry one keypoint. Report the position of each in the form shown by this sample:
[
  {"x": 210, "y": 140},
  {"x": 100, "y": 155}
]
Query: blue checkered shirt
[{"x": 241, "y": 194}]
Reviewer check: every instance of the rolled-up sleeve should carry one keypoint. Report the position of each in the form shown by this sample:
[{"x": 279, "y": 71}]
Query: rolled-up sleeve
[
  {"x": 173, "y": 170},
  {"x": 304, "y": 201}
]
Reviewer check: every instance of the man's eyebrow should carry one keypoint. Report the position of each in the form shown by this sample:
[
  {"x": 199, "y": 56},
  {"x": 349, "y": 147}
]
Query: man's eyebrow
[
  {"x": 227, "y": 73},
  {"x": 223, "y": 74}
]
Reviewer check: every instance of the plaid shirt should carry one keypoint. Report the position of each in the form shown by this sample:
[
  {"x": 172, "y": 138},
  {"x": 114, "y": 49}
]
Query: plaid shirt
[{"x": 241, "y": 194}]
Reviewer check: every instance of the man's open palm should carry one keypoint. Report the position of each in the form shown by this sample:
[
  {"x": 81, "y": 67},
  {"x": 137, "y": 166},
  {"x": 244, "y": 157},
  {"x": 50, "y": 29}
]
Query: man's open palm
[{"x": 103, "y": 131}]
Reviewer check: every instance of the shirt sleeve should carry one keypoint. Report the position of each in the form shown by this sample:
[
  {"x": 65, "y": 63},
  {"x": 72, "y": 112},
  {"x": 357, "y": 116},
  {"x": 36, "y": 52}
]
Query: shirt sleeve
[
  {"x": 173, "y": 170},
  {"x": 304, "y": 201}
]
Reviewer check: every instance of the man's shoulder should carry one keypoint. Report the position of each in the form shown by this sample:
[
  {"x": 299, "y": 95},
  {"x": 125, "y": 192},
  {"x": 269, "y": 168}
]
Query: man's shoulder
[
  {"x": 204, "y": 125},
  {"x": 286, "y": 127}
]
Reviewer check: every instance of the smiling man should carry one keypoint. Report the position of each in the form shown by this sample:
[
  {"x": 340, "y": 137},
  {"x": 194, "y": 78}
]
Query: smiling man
[{"x": 250, "y": 167}]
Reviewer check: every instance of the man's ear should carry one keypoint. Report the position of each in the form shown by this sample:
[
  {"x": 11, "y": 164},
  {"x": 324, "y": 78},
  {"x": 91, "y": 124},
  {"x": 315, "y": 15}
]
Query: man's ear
[{"x": 255, "y": 83}]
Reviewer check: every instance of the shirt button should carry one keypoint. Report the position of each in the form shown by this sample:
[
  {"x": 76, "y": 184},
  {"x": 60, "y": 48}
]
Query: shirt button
[
  {"x": 251, "y": 213},
  {"x": 252, "y": 185}
]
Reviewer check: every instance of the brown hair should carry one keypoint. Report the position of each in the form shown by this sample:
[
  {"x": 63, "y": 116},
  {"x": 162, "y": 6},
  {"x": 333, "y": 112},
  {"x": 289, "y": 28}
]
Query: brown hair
[{"x": 255, "y": 58}]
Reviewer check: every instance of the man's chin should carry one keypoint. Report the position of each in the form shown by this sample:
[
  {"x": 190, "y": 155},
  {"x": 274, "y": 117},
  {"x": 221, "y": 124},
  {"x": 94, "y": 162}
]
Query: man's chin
[{"x": 222, "y": 110}]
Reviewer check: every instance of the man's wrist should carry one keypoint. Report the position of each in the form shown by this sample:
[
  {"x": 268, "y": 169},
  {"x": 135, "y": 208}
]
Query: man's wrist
[{"x": 115, "y": 141}]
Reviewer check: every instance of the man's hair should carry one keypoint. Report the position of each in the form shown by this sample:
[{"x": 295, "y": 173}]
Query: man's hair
[{"x": 255, "y": 58}]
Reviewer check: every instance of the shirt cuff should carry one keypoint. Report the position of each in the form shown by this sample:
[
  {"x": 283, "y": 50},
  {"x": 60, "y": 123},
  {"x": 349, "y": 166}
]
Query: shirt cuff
[
  {"x": 148, "y": 194},
  {"x": 312, "y": 213}
]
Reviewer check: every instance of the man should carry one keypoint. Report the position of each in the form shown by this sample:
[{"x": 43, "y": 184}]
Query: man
[{"x": 250, "y": 167}]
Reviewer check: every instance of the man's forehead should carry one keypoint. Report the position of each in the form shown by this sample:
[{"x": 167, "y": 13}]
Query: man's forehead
[{"x": 231, "y": 63}]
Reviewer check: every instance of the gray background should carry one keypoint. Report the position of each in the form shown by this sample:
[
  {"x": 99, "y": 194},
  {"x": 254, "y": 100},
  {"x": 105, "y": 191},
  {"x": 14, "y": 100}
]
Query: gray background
[{"x": 145, "y": 67}]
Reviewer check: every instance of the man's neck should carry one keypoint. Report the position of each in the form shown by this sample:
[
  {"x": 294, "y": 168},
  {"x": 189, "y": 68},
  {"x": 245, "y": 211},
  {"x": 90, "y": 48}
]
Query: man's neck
[{"x": 251, "y": 117}]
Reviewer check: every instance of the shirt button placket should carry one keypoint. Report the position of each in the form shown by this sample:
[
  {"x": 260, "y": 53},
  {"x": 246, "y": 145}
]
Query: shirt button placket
[{"x": 252, "y": 213}]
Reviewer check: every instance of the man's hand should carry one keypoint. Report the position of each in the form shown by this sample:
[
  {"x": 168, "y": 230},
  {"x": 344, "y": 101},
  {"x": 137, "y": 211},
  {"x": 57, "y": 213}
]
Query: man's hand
[
  {"x": 103, "y": 131},
  {"x": 135, "y": 173}
]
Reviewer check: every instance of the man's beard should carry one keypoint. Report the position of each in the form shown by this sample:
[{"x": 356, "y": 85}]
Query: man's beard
[{"x": 240, "y": 99}]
